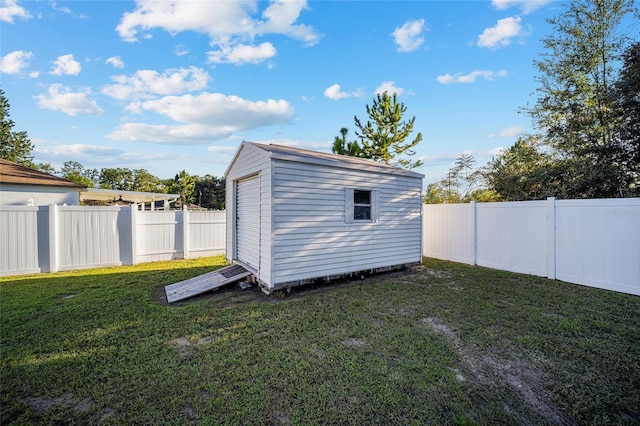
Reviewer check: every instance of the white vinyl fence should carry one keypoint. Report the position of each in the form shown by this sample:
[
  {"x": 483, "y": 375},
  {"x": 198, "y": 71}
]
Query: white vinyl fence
[
  {"x": 589, "y": 242},
  {"x": 58, "y": 238}
]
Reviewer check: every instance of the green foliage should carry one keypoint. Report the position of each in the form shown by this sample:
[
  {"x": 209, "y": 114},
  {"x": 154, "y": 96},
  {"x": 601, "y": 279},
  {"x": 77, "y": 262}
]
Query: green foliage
[
  {"x": 14, "y": 146},
  {"x": 342, "y": 147},
  {"x": 628, "y": 97},
  {"x": 185, "y": 185},
  {"x": 210, "y": 192},
  {"x": 143, "y": 181},
  {"x": 383, "y": 135},
  {"x": 464, "y": 183},
  {"x": 46, "y": 168},
  {"x": 525, "y": 171},
  {"x": 576, "y": 110},
  {"x": 116, "y": 178},
  {"x": 439, "y": 193},
  {"x": 74, "y": 171}
]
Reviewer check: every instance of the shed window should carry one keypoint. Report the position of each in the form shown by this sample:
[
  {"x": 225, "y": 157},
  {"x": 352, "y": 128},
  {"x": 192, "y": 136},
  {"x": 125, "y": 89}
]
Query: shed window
[{"x": 361, "y": 205}]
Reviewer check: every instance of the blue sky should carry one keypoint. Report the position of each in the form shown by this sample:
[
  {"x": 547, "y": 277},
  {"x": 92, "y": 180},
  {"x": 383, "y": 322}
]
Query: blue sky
[{"x": 167, "y": 86}]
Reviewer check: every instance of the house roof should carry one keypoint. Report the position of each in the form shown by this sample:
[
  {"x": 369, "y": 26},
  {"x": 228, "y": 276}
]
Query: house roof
[
  {"x": 287, "y": 153},
  {"x": 12, "y": 173}
]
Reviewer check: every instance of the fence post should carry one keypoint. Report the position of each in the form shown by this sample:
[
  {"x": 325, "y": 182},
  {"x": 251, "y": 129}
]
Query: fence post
[
  {"x": 185, "y": 233},
  {"x": 134, "y": 234},
  {"x": 474, "y": 231},
  {"x": 551, "y": 238},
  {"x": 53, "y": 240}
]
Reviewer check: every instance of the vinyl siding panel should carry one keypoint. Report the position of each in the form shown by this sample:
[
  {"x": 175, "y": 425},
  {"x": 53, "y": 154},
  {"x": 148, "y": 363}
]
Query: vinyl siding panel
[
  {"x": 250, "y": 161},
  {"x": 310, "y": 236}
]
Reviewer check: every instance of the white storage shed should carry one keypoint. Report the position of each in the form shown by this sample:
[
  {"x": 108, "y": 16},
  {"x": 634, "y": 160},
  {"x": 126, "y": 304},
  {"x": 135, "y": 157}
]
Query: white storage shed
[{"x": 294, "y": 215}]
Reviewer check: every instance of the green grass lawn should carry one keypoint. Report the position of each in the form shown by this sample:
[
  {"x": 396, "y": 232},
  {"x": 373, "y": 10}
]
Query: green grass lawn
[{"x": 442, "y": 343}]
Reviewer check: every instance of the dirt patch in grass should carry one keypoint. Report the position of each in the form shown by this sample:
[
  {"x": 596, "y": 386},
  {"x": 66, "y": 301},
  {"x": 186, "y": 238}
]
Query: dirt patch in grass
[
  {"x": 41, "y": 405},
  {"x": 432, "y": 272},
  {"x": 499, "y": 371},
  {"x": 355, "y": 342}
]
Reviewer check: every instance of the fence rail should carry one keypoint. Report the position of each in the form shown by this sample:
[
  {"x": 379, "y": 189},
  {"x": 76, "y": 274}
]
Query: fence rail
[
  {"x": 589, "y": 242},
  {"x": 58, "y": 238}
]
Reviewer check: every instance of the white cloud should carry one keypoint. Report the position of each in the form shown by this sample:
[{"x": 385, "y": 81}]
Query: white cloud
[
  {"x": 501, "y": 34},
  {"x": 280, "y": 18},
  {"x": 335, "y": 93},
  {"x": 169, "y": 134},
  {"x": 203, "y": 118},
  {"x": 66, "y": 65},
  {"x": 229, "y": 24},
  {"x": 62, "y": 9},
  {"x": 408, "y": 37},
  {"x": 242, "y": 54},
  {"x": 181, "y": 50},
  {"x": 496, "y": 151},
  {"x": 221, "y": 110},
  {"x": 9, "y": 9},
  {"x": 115, "y": 61},
  {"x": 471, "y": 77},
  {"x": 508, "y": 132},
  {"x": 146, "y": 83},
  {"x": 527, "y": 6},
  {"x": 222, "y": 149},
  {"x": 80, "y": 150},
  {"x": 60, "y": 98},
  {"x": 389, "y": 87},
  {"x": 14, "y": 62}
]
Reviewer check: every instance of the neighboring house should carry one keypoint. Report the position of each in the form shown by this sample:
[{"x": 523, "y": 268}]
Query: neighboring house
[
  {"x": 21, "y": 185},
  {"x": 294, "y": 216}
]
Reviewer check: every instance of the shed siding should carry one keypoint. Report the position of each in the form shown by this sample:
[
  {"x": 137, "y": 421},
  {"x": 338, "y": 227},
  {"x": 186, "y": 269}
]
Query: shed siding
[
  {"x": 251, "y": 161},
  {"x": 310, "y": 236}
]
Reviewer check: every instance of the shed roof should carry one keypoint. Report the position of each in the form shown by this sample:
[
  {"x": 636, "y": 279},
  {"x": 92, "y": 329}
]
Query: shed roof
[
  {"x": 12, "y": 173},
  {"x": 287, "y": 153}
]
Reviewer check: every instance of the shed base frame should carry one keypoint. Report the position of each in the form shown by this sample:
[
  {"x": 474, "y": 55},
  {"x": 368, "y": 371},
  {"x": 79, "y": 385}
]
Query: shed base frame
[{"x": 329, "y": 278}]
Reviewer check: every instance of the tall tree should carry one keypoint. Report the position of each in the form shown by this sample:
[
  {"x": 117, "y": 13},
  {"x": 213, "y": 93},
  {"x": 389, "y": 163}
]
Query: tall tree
[
  {"x": 575, "y": 109},
  {"x": 74, "y": 171},
  {"x": 628, "y": 98},
  {"x": 462, "y": 184},
  {"x": 342, "y": 147},
  {"x": 144, "y": 181},
  {"x": 14, "y": 146},
  {"x": 383, "y": 135},
  {"x": 116, "y": 178},
  {"x": 526, "y": 171},
  {"x": 183, "y": 184},
  {"x": 210, "y": 192}
]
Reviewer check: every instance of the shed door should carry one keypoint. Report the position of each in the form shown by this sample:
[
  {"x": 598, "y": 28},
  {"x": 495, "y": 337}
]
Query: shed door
[{"x": 248, "y": 221}]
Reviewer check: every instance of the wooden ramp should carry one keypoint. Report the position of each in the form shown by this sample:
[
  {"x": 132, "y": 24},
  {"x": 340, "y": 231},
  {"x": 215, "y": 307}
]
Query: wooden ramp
[{"x": 203, "y": 283}]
